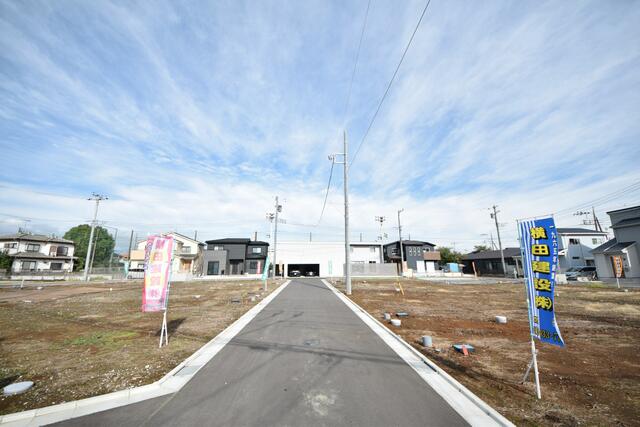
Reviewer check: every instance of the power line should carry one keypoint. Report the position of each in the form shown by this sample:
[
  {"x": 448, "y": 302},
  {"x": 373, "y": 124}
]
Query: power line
[
  {"x": 326, "y": 194},
  {"x": 355, "y": 65},
  {"x": 375, "y": 115}
]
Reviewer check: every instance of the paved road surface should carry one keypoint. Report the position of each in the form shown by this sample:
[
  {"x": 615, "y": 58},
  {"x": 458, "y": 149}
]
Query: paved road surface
[{"x": 305, "y": 360}]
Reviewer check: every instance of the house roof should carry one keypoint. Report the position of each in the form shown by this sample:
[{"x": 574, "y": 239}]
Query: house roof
[
  {"x": 508, "y": 253},
  {"x": 627, "y": 222},
  {"x": 182, "y": 236},
  {"x": 611, "y": 246},
  {"x": 410, "y": 242},
  {"x": 35, "y": 238},
  {"x": 571, "y": 230},
  {"x": 237, "y": 241},
  {"x": 38, "y": 255},
  {"x": 624, "y": 209}
]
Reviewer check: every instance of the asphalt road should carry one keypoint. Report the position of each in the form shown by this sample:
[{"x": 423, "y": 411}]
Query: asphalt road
[{"x": 305, "y": 360}]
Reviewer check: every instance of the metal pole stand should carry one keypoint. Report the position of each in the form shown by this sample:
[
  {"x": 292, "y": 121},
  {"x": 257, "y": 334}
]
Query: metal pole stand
[
  {"x": 164, "y": 333},
  {"x": 533, "y": 364}
]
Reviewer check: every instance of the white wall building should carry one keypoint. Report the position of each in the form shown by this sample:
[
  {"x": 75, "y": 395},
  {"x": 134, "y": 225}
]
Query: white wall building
[
  {"x": 326, "y": 259},
  {"x": 187, "y": 257},
  {"x": 38, "y": 254},
  {"x": 575, "y": 246}
]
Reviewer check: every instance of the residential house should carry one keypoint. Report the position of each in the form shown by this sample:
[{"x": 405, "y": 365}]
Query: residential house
[
  {"x": 489, "y": 263},
  {"x": 38, "y": 254},
  {"x": 234, "y": 256},
  {"x": 419, "y": 256},
  {"x": 187, "y": 257},
  {"x": 625, "y": 224},
  {"x": 575, "y": 245}
]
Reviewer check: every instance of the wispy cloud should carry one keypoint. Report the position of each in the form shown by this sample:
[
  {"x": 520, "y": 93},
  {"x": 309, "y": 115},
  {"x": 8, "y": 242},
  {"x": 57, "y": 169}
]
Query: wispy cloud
[{"x": 194, "y": 116}]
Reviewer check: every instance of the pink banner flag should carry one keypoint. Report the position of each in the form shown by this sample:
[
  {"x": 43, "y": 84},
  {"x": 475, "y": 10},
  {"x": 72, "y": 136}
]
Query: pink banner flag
[{"x": 157, "y": 272}]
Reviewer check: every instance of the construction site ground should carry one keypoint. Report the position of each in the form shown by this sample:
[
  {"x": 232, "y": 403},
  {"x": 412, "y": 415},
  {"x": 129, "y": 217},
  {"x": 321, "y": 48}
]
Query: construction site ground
[
  {"x": 594, "y": 380},
  {"x": 79, "y": 341}
]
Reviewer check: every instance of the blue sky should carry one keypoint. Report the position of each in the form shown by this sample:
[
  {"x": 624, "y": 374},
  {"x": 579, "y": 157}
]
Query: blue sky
[{"x": 194, "y": 115}]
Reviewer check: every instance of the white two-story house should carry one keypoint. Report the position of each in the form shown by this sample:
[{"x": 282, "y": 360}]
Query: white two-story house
[
  {"x": 187, "y": 258},
  {"x": 38, "y": 254},
  {"x": 575, "y": 246}
]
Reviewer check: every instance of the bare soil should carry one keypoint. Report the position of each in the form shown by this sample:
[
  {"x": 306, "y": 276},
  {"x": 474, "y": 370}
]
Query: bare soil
[
  {"x": 594, "y": 380},
  {"x": 79, "y": 341}
]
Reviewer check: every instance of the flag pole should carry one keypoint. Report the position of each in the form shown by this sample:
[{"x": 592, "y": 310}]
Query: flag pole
[{"x": 534, "y": 359}]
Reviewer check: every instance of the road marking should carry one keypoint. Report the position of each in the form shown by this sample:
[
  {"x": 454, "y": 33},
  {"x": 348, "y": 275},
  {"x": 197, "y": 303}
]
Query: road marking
[{"x": 470, "y": 407}]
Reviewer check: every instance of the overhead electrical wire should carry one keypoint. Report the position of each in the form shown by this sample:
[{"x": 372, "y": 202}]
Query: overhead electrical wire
[
  {"x": 347, "y": 103},
  {"x": 386, "y": 92}
]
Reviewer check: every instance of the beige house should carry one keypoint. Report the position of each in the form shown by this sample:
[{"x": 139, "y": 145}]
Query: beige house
[{"x": 187, "y": 257}]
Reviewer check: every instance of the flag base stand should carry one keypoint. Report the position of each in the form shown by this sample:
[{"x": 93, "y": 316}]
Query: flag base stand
[
  {"x": 164, "y": 332},
  {"x": 533, "y": 364}
]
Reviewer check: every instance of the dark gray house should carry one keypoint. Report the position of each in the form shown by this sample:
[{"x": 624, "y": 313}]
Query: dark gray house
[
  {"x": 489, "y": 263},
  {"x": 419, "y": 256},
  {"x": 234, "y": 256}
]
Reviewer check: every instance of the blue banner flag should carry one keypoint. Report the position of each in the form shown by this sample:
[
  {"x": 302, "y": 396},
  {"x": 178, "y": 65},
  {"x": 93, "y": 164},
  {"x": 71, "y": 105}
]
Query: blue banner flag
[{"x": 539, "y": 247}]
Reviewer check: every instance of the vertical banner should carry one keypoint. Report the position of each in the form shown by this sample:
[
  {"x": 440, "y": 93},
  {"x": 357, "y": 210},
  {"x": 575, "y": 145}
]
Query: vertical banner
[
  {"x": 265, "y": 270},
  {"x": 157, "y": 272},
  {"x": 539, "y": 245}
]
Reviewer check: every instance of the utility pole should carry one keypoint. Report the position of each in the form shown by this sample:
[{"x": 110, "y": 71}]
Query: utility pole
[
  {"x": 195, "y": 235},
  {"x": 494, "y": 215},
  {"x": 275, "y": 236},
  {"x": 97, "y": 198},
  {"x": 347, "y": 244},
  {"x": 400, "y": 241},
  {"x": 381, "y": 220},
  {"x": 271, "y": 216},
  {"x": 129, "y": 253}
]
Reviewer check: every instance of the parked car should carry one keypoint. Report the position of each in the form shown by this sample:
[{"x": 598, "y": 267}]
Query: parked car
[
  {"x": 310, "y": 273},
  {"x": 294, "y": 273},
  {"x": 587, "y": 271}
]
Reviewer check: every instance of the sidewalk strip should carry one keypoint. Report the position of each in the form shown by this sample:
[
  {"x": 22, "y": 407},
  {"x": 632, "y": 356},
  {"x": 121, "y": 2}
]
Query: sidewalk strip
[
  {"x": 473, "y": 409},
  {"x": 169, "y": 384}
]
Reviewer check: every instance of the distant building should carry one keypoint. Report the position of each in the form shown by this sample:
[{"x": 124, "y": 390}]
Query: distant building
[
  {"x": 419, "y": 256},
  {"x": 234, "y": 256},
  {"x": 187, "y": 257},
  {"x": 37, "y": 253},
  {"x": 575, "y": 246},
  {"x": 489, "y": 263},
  {"x": 626, "y": 229}
]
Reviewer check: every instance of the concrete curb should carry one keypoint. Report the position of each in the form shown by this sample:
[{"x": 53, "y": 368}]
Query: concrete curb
[
  {"x": 473, "y": 409},
  {"x": 169, "y": 384}
]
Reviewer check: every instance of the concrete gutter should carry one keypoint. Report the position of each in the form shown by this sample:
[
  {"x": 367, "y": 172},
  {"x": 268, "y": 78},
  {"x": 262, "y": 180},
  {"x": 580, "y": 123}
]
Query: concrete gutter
[
  {"x": 473, "y": 409},
  {"x": 169, "y": 384}
]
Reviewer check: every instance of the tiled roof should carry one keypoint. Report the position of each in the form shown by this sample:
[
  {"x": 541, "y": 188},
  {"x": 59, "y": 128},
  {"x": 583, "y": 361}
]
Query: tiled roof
[{"x": 35, "y": 238}]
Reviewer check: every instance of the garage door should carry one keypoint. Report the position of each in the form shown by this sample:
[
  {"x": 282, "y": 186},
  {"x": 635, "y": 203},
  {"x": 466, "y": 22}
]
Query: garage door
[{"x": 303, "y": 270}]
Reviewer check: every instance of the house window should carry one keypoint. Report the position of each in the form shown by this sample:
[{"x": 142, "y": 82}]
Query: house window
[
  {"x": 596, "y": 241},
  {"x": 427, "y": 249},
  {"x": 574, "y": 241},
  {"x": 62, "y": 251},
  {"x": 10, "y": 245},
  {"x": 253, "y": 266},
  {"x": 256, "y": 250},
  {"x": 212, "y": 268},
  {"x": 186, "y": 249},
  {"x": 28, "y": 265},
  {"x": 33, "y": 247},
  {"x": 56, "y": 266}
]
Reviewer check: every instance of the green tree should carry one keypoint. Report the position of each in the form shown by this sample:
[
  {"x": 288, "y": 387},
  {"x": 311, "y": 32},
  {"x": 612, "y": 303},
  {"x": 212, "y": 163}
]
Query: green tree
[
  {"x": 449, "y": 255},
  {"x": 102, "y": 239},
  {"x": 480, "y": 248},
  {"x": 6, "y": 261}
]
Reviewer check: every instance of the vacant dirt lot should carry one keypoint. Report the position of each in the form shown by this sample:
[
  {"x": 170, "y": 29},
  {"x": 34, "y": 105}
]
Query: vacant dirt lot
[
  {"x": 79, "y": 341},
  {"x": 594, "y": 380}
]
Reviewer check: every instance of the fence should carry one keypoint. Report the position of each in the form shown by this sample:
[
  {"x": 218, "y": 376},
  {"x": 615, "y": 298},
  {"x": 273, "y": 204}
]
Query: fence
[{"x": 362, "y": 269}]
